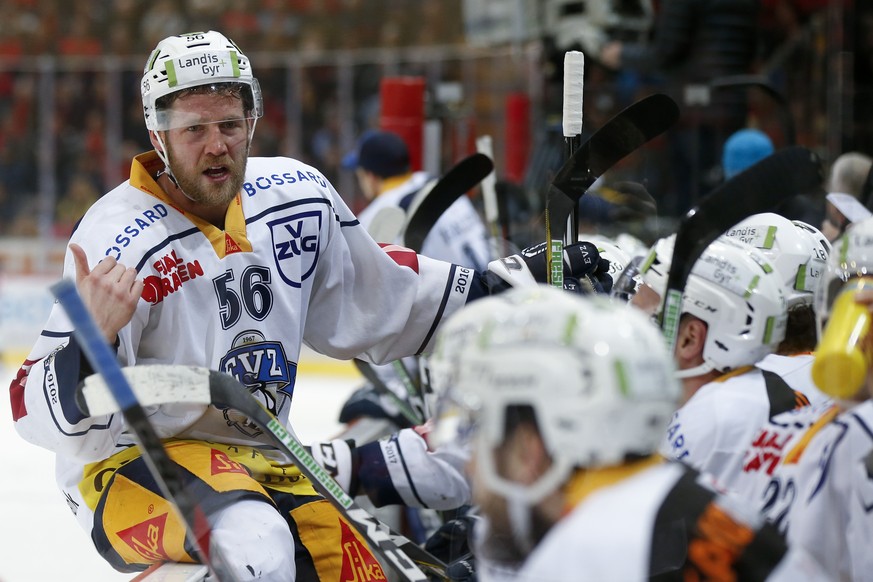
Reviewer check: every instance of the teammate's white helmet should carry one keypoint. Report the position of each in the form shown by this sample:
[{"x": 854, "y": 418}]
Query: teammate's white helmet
[
  {"x": 797, "y": 250},
  {"x": 655, "y": 267},
  {"x": 596, "y": 375},
  {"x": 733, "y": 288},
  {"x": 852, "y": 257},
  {"x": 191, "y": 60}
]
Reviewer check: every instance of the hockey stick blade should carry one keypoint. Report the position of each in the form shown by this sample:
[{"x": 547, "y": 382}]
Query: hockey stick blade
[
  {"x": 160, "y": 384},
  {"x": 461, "y": 178},
  {"x": 624, "y": 133},
  {"x": 165, "y": 472},
  {"x": 759, "y": 188}
]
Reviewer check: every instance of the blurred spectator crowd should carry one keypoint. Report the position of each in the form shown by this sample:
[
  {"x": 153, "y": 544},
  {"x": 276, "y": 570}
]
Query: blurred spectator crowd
[
  {"x": 78, "y": 35},
  {"x": 133, "y": 27}
]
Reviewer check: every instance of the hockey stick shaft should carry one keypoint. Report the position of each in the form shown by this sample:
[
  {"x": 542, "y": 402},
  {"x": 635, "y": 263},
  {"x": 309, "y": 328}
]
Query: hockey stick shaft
[
  {"x": 160, "y": 384},
  {"x": 226, "y": 390},
  {"x": 164, "y": 471},
  {"x": 620, "y": 136},
  {"x": 485, "y": 146},
  {"x": 572, "y": 121},
  {"x": 574, "y": 68}
]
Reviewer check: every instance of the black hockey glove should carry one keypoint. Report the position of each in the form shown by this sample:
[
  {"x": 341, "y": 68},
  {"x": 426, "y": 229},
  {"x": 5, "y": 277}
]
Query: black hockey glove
[
  {"x": 585, "y": 271},
  {"x": 451, "y": 543}
]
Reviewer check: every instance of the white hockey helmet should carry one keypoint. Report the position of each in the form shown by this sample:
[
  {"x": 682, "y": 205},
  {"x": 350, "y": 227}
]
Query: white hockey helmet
[
  {"x": 734, "y": 289},
  {"x": 796, "y": 250},
  {"x": 656, "y": 265},
  {"x": 852, "y": 258},
  {"x": 192, "y": 60},
  {"x": 596, "y": 375},
  {"x": 654, "y": 269}
]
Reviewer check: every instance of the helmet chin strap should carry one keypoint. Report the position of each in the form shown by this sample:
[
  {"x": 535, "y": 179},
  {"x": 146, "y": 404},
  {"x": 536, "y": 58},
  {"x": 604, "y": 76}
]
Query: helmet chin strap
[
  {"x": 169, "y": 172},
  {"x": 700, "y": 370}
]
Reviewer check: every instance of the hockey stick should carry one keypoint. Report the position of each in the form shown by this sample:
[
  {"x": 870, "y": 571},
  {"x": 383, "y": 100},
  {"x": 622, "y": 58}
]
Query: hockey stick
[
  {"x": 620, "y": 136},
  {"x": 574, "y": 81},
  {"x": 162, "y": 468},
  {"x": 761, "y": 83},
  {"x": 759, "y": 188},
  {"x": 489, "y": 196},
  {"x": 455, "y": 183},
  {"x": 412, "y": 416},
  {"x": 161, "y": 384}
]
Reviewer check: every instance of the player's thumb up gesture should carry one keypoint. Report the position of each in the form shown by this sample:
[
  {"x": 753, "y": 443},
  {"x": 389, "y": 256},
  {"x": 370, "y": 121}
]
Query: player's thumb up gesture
[{"x": 110, "y": 291}]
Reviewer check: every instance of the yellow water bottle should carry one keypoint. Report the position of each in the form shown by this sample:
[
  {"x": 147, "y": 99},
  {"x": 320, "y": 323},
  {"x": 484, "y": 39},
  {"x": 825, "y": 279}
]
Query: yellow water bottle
[{"x": 840, "y": 364}]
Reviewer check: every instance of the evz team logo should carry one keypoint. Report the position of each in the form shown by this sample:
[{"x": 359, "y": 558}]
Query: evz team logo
[
  {"x": 264, "y": 369},
  {"x": 295, "y": 245}
]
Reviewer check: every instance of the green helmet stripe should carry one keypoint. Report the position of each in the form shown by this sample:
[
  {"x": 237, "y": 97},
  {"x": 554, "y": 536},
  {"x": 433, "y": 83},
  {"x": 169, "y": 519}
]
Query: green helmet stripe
[
  {"x": 768, "y": 329},
  {"x": 621, "y": 379},
  {"x": 171, "y": 74},
  {"x": 800, "y": 280},
  {"x": 234, "y": 62},
  {"x": 752, "y": 285},
  {"x": 770, "y": 237}
]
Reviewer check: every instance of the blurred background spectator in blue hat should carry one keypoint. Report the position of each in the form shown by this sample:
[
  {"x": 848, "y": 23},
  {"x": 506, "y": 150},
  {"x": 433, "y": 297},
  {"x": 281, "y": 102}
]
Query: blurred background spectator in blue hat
[{"x": 744, "y": 148}]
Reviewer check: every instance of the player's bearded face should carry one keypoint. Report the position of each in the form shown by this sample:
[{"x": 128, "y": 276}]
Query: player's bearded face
[{"x": 208, "y": 159}]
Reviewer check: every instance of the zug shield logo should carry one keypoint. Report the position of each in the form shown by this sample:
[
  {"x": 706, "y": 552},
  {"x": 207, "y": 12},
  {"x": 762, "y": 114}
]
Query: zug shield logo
[
  {"x": 262, "y": 367},
  {"x": 295, "y": 245}
]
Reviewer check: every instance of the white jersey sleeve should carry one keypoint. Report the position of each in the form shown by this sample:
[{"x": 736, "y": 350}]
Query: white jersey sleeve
[{"x": 401, "y": 470}]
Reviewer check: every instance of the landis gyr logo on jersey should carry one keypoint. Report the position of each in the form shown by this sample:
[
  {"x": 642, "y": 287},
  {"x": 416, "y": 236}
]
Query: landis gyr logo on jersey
[{"x": 295, "y": 245}]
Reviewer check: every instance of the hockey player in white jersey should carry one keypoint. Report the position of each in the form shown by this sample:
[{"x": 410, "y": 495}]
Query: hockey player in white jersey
[
  {"x": 733, "y": 315},
  {"x": 382, "y": 167},
  {"x": 798, "y": 252},
  {"x": 563, "y": 400},
  {"x": 208, "y": 257},
  {"x": 829, "y": 485}
]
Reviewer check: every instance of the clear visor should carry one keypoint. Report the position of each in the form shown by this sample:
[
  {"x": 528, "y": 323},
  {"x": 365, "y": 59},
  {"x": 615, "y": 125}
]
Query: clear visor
[
  {"x": 193, "y": 129},
  {"x": 171, "y": 118}
]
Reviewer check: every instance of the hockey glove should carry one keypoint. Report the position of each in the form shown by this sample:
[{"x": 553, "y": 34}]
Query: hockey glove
[
  {"x": 452, "y": 543},
  {"x": 584, "y": 269}
]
